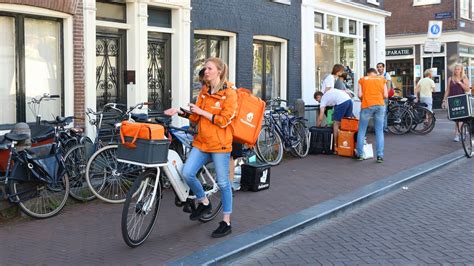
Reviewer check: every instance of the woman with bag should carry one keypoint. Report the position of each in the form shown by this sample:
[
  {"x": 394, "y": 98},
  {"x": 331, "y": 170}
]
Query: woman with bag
[
  {"x": 458, "y": 84},
  {"x": 213, "y": 112}
]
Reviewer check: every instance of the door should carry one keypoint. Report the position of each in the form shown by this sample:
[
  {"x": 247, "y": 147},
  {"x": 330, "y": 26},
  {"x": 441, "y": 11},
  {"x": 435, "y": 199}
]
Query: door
[
  {"x": 159, "y": 71},
  {"x": 438, "y": 63},
  {"x": 110, "y": 66}
]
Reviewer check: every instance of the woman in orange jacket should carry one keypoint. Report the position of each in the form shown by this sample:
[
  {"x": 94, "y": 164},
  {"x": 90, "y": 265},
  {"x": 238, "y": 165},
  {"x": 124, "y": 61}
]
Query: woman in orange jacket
[{"x": 213, "y": 112}]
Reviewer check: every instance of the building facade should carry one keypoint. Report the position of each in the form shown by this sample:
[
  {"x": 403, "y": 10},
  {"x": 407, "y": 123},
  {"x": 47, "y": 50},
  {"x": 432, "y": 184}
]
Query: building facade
[
  {"x": 41, "y": 52},
  {"x": 407, "y": 29},
  {"x": 351, "y": 33},
  {"x": 259, "y": 39}
]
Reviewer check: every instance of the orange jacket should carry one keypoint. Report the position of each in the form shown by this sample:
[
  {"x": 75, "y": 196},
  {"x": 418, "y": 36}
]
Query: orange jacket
[{"x": 215, "y": 135}]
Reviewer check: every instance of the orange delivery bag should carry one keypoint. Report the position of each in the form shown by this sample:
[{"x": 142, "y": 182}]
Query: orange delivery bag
[{"x": 247, "y": 124}]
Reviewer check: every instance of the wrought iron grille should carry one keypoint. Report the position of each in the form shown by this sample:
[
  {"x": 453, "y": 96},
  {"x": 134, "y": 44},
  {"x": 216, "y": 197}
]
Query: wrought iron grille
[
  {"x": 107, "y": 56},
  {"x": 156, "y": 74}
]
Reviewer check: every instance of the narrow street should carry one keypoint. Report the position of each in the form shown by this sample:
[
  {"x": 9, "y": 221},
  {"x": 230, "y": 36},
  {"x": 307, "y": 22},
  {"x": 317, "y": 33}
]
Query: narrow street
[{"x": 428, "y": 221}]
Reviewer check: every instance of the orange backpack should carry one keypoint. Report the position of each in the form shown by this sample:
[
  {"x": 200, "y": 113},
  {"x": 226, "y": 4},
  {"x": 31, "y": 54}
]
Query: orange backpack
[{"x": 249, "y": 118}]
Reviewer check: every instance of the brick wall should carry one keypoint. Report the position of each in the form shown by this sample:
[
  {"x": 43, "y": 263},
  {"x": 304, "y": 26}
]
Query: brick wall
[
  {"x": 409, "y": 19},
  {"x": 79, "y": 79},
  {"x": 254, "y": 17},
  {"x": 66, "y": 6}
]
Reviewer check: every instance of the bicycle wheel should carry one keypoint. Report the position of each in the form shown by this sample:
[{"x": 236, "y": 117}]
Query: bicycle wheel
[
  {"x": 141, "y": 208},
  {"x": 75, "y": 162},
  {"x": 211, "y": 189},
  {"x": 108, "y": 179},
  {"x": 269, "y": 146},
  {"x": 39, "y": 199},
  {"x": 423, "y": 120},
  {"x": 300, "y": 139},
  {"x": 399, "y": 120},
  {"x": 466, "y": 138}
]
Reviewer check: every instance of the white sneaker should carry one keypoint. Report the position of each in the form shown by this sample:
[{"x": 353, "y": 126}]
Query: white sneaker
[{"x": 456, "y": 139}]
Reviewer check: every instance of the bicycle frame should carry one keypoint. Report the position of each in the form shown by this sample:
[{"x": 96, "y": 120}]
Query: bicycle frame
[{"x": 284, "y": 132}]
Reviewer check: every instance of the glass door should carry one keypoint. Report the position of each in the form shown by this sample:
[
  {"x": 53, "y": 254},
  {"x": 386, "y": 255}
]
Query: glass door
[
  {"x": 8, "y": 93},
  {"x": 159, "y": 71},
  {"x": 110, "y": 66}
]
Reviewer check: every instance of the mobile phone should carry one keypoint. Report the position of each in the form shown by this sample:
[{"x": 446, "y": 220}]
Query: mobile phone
[{"x": 187, "y": 112}]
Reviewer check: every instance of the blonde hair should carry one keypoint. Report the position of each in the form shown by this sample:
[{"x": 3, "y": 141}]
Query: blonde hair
[
  {"x": 463, "y": 75},
  {"x": 222, "y": 67},
  {"x": 428, "y": 72}
]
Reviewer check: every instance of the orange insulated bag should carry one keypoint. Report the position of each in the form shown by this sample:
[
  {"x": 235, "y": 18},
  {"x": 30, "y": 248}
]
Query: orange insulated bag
[
  {"x": 249, "y": 118},
  {"x": 140, "y": 131},
  {"x": 142, "y": 144},
  {"x": 350, "y": 124},
  {"x": 346, "y": 143}
]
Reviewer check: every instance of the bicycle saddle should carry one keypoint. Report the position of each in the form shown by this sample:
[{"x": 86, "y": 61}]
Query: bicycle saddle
[
  {"x": 411, "y": 98},
  {"x": 16, "y": 137},
  {"x": 280, "y": 109},
  {"x": 61, "y": 120},
  {"x": 140, "y": 117}
]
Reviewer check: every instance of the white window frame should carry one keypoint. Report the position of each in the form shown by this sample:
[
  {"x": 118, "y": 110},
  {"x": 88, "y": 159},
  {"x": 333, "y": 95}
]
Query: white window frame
[
  {"x": 285, "y": 2},
  {"x": 283, "y": 61},
  {"x": 464, "y": 9},
  {"x": 374, "y": 2},
  {"x": 68, "y": 47},
  {"x": 232, "y": 48},
  {"x": 425, "y": 2}
]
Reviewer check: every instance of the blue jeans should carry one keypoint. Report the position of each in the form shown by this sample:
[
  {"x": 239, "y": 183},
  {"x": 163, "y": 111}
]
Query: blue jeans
[
  {"x": 378, "y": 112},
  {"x": 194, "y": 163},
  {"x": 385, "y": 120}
]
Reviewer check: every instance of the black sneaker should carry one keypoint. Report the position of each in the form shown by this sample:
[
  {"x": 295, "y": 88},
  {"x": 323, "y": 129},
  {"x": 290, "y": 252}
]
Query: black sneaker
[
  {"x": 379, "y": 159},
  {"x": 200, "y": 211},
  {"x": 222, "y": 230},
  {"x": 358, "y": 158}
]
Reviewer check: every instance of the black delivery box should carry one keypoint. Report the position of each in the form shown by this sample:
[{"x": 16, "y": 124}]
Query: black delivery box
[
  {"x": 146, "y": 151},
  {"x": 255, "y": 176},
  {"x": 460, "y": 106}
]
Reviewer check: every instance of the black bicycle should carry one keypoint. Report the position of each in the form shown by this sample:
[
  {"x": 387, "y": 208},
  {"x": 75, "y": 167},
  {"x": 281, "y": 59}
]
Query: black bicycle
[
  {"x": 281, "y": 131},
  {"x": 34, "y": 178}
]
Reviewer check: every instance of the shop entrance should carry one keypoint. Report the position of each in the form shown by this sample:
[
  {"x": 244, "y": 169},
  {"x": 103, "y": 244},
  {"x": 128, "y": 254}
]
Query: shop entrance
[
  {"x": 438, "y": 77},
  {"x": 401, "y": 72}
]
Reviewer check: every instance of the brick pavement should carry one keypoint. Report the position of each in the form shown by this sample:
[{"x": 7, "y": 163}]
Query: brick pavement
[
  {"x": 428, "y": 221},
  {"x": 90, "y": 233}
]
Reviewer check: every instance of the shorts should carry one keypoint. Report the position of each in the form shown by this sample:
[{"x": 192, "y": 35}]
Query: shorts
[
  {"x": 342, "y": 110},
  {"x": 236, "y": 150},
  {"x": 428, "y": 101}
]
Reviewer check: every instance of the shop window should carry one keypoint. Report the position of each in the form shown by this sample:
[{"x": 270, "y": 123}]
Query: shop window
[
  {"x": 330, "y": 50},
  {"x": 464, "y": 8},
  {"x": 31, "y": 46},
  {"x": 426, "y": 2},
  {"x": 331, "y": 21},
  {"x": 352, "y": 27},
  {"x": 206, "y": 46},
  {"x": 159, "y": 17},
  {"x": 341, "y": 24},
  {"x": 114, "y": 10},
  {"x": 266, "y": 69},
  {"x": 318, "y": 20}
]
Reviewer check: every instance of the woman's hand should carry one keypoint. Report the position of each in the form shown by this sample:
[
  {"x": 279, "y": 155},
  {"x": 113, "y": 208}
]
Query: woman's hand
[
  {"x": 172, "y": 111},
  {"x": 195, "y": 109}
]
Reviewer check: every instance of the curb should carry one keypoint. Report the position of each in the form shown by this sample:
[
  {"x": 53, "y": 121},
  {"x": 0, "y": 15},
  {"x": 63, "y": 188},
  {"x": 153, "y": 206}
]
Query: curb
[{"x": 245, "y": 243}]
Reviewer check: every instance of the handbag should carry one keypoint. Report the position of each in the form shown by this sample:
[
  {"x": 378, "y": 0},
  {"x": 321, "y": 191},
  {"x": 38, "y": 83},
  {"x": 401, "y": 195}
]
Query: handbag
[{"x": 368, "y": 151}]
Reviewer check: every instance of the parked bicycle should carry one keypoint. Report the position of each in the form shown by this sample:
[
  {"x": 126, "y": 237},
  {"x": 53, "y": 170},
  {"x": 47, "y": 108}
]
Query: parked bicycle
[
  {"x": 405, "y": 115},
  {"x": 142, "y": 204},
  {"x": 281, "y": 131},
  {"x": 34, "y": 178},
  {"x": 93, "y": 167}
]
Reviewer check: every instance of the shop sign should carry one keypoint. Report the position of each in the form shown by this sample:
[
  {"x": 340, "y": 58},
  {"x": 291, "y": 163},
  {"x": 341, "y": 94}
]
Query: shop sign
[
  {"x": 417, "y": 71},
  {"x": 432, "y": 46},
  {"x": 398, "y": 51},
  {"x": 443, "y": 15},
  {"x": 466, "y": 50}
]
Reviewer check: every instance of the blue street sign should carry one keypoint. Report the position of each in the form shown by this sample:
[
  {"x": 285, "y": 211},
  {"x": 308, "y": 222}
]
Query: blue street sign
[{"x": 435, "y": 29}]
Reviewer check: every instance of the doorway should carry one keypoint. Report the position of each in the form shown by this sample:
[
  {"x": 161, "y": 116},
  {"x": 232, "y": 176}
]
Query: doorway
[{"x": 439, "y": 78}]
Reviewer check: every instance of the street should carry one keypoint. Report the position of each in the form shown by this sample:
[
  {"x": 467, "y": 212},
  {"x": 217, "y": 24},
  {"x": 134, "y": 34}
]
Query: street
[{"x": 429, "y": 221}]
